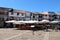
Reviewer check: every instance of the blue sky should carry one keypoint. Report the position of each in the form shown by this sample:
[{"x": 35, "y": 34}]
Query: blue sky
[{"x": 32, "y": 5}]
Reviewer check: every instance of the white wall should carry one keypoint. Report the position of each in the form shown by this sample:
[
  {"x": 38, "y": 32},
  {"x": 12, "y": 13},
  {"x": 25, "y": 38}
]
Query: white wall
[
  {"x": 20, "y": 15},
  {"x": 14, "y": 14}
]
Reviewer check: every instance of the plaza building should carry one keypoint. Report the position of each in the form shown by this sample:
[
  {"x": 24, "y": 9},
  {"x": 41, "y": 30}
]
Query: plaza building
[{"x": 23, "y": 15}]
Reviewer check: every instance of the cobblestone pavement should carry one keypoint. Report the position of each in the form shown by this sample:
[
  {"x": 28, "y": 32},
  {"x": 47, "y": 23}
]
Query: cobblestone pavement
[{"x": 14, "y": 34}]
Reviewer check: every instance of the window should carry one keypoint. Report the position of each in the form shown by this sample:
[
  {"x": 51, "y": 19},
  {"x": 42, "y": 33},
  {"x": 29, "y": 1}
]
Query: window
[
  {"x": 30, "y": 14},
  {"x": 59, "y": 17},
  {"x": 17, "y": 13},
  {"x": 12, "y": 18},
  {"x": 6, "y": 13},
  {"x": 1, "y": 19},
  {"x": 39, "y": 19},
  {"x": 40, "y": 16},
  {"x": 10, "y": 10},
  {"x": 33, "y": 16},
  {"x": 22, "y": 14},
  {"x": 11, "y": 13}
]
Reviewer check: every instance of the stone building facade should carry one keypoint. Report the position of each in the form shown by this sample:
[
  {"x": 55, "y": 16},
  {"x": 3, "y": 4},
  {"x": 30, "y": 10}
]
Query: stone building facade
[
  {"x": 4, "y": 15},
  {"x": 13, "y": 14}
]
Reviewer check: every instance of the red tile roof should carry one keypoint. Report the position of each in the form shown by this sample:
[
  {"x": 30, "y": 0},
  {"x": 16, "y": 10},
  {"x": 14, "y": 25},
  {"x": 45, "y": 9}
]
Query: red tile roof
[
  {"x": 36, "y": 12},
  {"x": 4, "y": 9},
  {"x": 19, "y": 11},
  {"x": 58, "y": 14},
  {"x": 44, "y": 13}
]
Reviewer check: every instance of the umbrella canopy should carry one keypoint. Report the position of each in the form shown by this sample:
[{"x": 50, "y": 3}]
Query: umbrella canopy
[
  {"x": 32, "y": 26},
  {"x": 30, "y": 21},
  {"x": 44, "y": 21},
  {"x": 18, "y": 22},
  {"x": 23, "y": 22},
  {"x": 55, "y": 21},
  {"x": 12, "y": 21}
]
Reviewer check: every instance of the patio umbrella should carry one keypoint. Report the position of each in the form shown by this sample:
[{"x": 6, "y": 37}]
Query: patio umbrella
[
  {"x": 30, "y": 21},
  {"x": 18, "y": 22},
  {"x": 11, "y": 21},
  {"x": 54, "y": 21},
  {"x": 44, "y": 21}
]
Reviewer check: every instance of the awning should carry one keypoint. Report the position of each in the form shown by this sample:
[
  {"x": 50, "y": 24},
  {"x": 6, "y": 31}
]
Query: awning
[
  {"x": 23, "y": 22},
  {"x": 18, "y": 22},
  {"x": 54, "y": 21},
  {"x": 12, "y": 21},
  {"x": 44, "y": 21}
]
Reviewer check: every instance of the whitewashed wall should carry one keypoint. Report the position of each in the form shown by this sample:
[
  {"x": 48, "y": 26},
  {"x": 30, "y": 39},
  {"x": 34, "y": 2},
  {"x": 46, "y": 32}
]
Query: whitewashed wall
[{"x": 14, "y": 14}]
